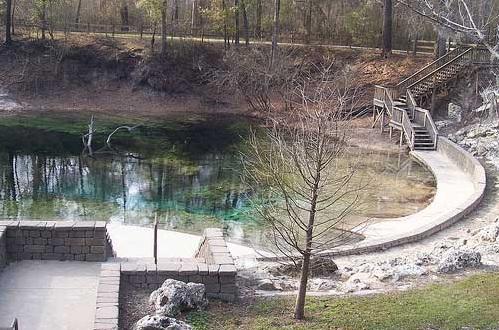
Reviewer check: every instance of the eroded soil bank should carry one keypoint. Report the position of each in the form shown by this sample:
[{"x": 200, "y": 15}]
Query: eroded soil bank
[{"x": 123, "y": 77}]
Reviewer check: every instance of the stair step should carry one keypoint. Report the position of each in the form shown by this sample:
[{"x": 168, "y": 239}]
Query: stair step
[{"x": 424, "y": 148}]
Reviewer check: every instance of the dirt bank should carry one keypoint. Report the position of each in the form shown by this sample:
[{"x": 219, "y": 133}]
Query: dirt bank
[{"x": 122, "y": 76}]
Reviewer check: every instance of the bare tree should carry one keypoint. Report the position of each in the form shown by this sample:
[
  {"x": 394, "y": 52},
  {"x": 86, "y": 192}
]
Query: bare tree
[
  {"x": 310, "y": 192},
  {"x": 472, "y": 20},
  {"x": 457, "y": 16}
]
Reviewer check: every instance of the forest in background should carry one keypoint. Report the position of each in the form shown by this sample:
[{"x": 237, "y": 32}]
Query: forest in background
[{"x": 339, "y": 22}]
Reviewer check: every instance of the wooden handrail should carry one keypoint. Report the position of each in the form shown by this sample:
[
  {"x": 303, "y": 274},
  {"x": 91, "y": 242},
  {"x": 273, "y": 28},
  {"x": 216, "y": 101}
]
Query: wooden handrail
[
  {"x": 408, "y": 129},
  {"x": 463, "y": 55},
  {"x": 404, "y": 83},
  {"x": 431, "y": 74},
  {"x": 423, "y": 118}
]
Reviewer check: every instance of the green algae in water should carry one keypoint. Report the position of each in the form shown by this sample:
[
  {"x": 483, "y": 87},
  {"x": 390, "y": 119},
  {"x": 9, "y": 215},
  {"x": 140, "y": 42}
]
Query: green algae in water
[{"x": 186, "y": 172}]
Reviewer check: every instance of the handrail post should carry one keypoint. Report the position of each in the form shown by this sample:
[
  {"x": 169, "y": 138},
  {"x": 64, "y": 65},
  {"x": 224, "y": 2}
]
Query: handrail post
[{"x": 155, "y": 248}]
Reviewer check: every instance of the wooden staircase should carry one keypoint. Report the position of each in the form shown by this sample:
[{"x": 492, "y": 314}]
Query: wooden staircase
[{"x": 400, "y": 104}]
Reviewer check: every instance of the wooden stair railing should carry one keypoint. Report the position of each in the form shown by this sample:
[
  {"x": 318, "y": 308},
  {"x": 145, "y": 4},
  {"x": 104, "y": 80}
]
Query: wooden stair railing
[
  {"x": 443, "y": 73},
  {"x": 400, "y": 101},
  {"x": 427, "y": 69}
]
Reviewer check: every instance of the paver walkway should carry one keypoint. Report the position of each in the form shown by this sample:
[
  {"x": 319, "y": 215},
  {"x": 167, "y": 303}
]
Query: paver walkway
[{"x": 49, "y": 295}]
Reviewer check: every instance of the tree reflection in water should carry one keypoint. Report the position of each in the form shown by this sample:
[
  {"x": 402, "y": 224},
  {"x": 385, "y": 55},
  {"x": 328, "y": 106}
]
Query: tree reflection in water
[{"x": 189, "y": 177}]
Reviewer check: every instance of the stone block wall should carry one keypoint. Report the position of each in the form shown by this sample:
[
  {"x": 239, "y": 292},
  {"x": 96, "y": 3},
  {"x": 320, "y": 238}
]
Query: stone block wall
[
  {"x": 56, "y": 240},
  {"x": 108, "y": 298},
  {"x": 213, "y": 266}
]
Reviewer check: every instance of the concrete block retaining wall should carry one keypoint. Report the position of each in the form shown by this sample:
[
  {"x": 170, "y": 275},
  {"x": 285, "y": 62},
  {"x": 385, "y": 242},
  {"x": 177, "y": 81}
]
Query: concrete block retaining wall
[
  {"x": 213, "y": 266},
  {"x": 56, "y": 240}
]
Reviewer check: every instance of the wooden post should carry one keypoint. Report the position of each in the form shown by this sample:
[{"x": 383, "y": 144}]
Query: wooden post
[
  {"x": 401, "y": 137},
  {"x": 155, "y": 249},
  {"x": 382, "y": 120},
  {"x": 391, "y": 132}
]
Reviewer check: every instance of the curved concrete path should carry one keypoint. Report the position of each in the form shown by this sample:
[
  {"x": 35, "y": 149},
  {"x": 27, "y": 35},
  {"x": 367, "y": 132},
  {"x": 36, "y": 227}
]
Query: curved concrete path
[
  {"x": 460, "y": 187},
  {"x": 454, "y": 189}
]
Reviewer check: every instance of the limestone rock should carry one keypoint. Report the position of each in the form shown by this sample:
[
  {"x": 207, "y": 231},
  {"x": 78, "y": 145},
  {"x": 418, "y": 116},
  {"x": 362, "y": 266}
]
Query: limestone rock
[
  {"x": 357, "y": 282},
  {"x": 174, "y": 297},
  {"x": 267, "y": 285},
  {"x": 455, "y": 112},
  {"x": 157, "y": 322},
  {"x": 322, "y": 284},
  {"x": 459, "y": 258},
  {"x": 408, "y": 270},
  {"x": 319, "y": 266},
  {"x": 489, "y": 233}
]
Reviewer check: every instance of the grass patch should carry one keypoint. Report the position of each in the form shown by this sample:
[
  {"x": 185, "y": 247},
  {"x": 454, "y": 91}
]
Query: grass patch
[{"x": 473, "y": 302}]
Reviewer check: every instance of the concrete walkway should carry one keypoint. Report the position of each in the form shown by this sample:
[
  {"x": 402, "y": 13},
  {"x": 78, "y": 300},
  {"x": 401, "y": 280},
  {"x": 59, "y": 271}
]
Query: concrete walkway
[
  {"x": 137, "y": 242},
  {"x": 454, "y": 188},
  {"x": 49, "y": 295}
]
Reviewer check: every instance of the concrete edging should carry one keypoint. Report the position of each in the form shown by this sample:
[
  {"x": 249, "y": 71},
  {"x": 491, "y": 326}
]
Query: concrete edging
[{"x": 467, "y": 165}]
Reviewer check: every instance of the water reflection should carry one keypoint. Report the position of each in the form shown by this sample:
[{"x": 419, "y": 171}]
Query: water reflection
[{"x": 189, "y": 183}]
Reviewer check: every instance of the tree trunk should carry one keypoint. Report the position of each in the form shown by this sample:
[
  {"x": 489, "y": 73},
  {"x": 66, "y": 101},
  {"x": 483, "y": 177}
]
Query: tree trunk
[
  {"x": 440, "y": 45},
  {"x": 175, "y": 11},
  {"x": 153, "y": 39},
  {"x": 43, "y": 18},
  {"x": 308, "y": 22},
  {"x": 194, "y": 18},
  {"x": 163, "y": 27},
  {"x": 12, "y": 16},
  {"x": 305, "y": 269},
  {"x": 275, "y": 32},
  {"x": 236, "y": 22},
  {"x": 8, "y": 22},
  {"x": 258, "y": 28},
  {"x": 245, "y": 22},
  {"x": 387, "y": 28},
  {"x": 226, "y": 36},
  {"x": 415, "y": 45},
  {"x": 124, "y": 16},
  {"x": 78, "y": 13},
  {"x": 302, "y": 291}
]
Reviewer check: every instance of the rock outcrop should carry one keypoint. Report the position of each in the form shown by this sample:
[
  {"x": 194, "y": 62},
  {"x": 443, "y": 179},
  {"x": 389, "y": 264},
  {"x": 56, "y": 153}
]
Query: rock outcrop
[
  {"x": 175, "y": 297},
  {"x": 158, "y": 322},
  {"x": 456, "y": 259}
]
